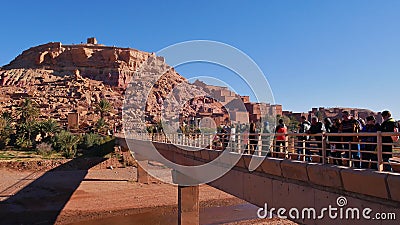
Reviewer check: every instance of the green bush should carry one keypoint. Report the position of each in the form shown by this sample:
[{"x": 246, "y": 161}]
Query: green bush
[
  {"x": 23, "y": 142},
  {"x": 6, "y": 129},
  {"x": 89, "y": 140},
  {"x": 101, "y": 126},
  {"x": 66, "y": 143}
]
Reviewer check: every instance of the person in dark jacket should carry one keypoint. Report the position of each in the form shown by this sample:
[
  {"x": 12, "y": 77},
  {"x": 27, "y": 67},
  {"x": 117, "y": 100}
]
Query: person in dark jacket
[
  {"x": 388, "y": 125},
  {"x": 369, "y": 149},
  {"x": 253, "y": 138},
  {"x": 328, "y": 127},
  {"x": 334, "y": 146},
  {"x": 350, "y": 125},
  {"x": 317, "y": 128}
]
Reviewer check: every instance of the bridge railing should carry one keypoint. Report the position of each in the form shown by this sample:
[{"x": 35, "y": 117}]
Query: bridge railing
[{"x": 360, "y": 150}]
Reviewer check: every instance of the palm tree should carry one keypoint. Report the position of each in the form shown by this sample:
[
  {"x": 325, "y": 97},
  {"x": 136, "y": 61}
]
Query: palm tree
[
  {"x": 6, "y": 129},
  {"x": 28, "y": 110},
  {"x": 103, "y": 107},
  {"x": 27, "y": 127},
  {"x": 66, "y": 143},
  {"x": 101, "y": 125},
  {"x": 48, "y": 128}
]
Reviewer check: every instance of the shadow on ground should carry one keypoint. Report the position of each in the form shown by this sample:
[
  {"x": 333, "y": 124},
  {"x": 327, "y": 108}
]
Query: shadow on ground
[{"x": 41, "y": 201}]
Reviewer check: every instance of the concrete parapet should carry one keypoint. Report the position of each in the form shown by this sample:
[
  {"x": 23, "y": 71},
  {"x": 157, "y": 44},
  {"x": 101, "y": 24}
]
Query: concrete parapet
[
  {"x": 214, "y": 154},
  {"x": 272, "y": 166},
  {"x": 393, "y": 181},
  {"x": 197, "y": 154},
  {"x": 365, "y": 182},
  {"x": 324, "y": 175},
  {"x": 204, "y": 155},
  {"x": 294, "y": 170}
]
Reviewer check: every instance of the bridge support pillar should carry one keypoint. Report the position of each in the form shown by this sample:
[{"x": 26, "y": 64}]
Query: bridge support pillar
[
  {"x": 142, "y": 176},
  {"x": 188, "y": 199},
  {"x": 188, "y": 205}
]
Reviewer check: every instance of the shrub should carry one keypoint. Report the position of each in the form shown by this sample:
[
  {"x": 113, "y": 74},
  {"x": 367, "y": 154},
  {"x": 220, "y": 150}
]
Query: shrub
[
  {"x": 23, "y": 142},
  {"x": 101, "y": 125},
  {"x": 6, "y": 129},
  {"x": 44, "y": 149},
  {"x": 90, "y": 139},
  {"x": 66, "y": 143}
]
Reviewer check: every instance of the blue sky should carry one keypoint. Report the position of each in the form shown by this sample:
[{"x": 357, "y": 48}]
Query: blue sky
[{"x": 313, "y": 53}]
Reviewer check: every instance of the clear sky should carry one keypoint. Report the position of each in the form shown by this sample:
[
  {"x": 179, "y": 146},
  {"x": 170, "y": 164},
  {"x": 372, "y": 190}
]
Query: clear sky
[{"x": 313, "y": 53}]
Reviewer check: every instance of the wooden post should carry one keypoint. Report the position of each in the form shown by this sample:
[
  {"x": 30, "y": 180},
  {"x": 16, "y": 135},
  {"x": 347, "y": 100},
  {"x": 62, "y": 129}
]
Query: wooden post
[
  {"x": 211, "y": 141},
  {"x": 285, "y": 147},
  {"x": 379, "y": 151},
  {"x": 239, "y": 144},
  {"x": 323, "y": 149},
  {"x": 350, "y": 162},
  {"x": 259, "y": 145}
]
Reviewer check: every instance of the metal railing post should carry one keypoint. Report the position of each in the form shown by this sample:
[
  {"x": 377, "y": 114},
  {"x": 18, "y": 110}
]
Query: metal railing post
[
  {"x": 379, "y": 151},
  {"x": 304, "y": 151},
  {"x": 259, "y": 145}
]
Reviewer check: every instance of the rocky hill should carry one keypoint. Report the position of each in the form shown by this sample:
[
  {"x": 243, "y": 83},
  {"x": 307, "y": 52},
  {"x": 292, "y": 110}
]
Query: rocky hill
[{"x": 65, "y": 78}]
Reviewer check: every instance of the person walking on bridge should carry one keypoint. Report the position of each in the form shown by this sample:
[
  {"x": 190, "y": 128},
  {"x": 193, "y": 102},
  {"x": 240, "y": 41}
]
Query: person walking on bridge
[
  {"x": 317, "y": 128},
  {"x": 369, "y": 149},
  {"x": 303, "y": 129},
  {"x": 350, "y": 125},
  {"x": 388, "y": 125},
  {"x": 280, "y": 139},
  {"x": 334, "y": 142}
]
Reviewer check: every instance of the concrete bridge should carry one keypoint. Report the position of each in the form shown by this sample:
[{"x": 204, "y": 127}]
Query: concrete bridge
[{"x": 304, "y": 192}]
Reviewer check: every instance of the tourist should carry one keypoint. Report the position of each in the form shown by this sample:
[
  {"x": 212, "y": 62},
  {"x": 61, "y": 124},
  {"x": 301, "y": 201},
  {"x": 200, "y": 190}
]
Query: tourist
[
  {"x": 253, "y": 138},
  {"x": 225, "y": 135},
  {"x": 304, "y": 126},
  {"x": 350, "y": 125},
  {"x": 369, "y": 150},
  {"x": 328, "y": 127},
  {"x": 388, "y": 125},
  {"x": 280, "y": 139},
  {"x": 334, "y": 144},
  {"x": 317, "y": 128}
]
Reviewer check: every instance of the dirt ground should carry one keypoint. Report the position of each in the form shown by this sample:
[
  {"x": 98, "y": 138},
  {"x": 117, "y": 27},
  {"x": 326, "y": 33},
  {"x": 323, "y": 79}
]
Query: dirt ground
[{"x": 65, "y": 196}]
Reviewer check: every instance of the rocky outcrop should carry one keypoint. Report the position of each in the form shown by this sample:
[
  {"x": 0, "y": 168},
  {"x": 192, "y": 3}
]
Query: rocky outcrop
[
  {"x": 65, "y": 78},
  {"x": 114, "y": 66}
]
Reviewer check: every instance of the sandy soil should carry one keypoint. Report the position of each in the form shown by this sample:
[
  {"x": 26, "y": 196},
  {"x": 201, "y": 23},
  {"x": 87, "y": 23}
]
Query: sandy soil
[{"x": 64, "y": 196}]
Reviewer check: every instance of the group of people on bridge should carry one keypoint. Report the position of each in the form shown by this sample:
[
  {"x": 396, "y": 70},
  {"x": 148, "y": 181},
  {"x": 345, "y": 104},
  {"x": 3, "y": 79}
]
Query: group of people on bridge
[{"x": 341, "y": 148}]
